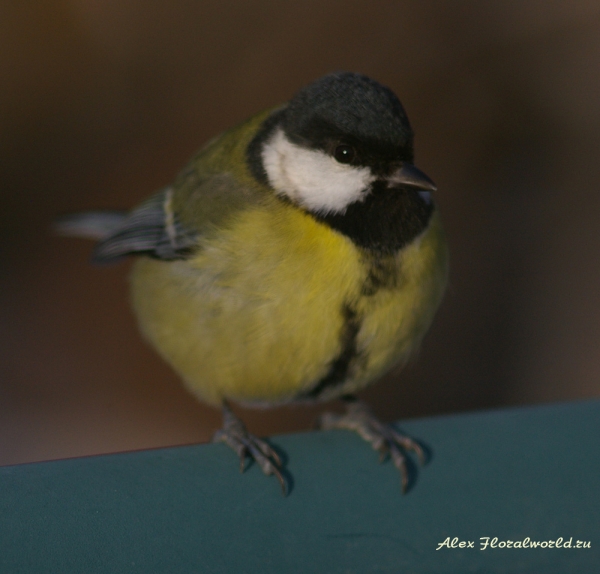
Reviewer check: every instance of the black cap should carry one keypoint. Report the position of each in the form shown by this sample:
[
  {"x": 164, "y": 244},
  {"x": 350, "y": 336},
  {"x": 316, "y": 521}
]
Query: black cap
[{"x": 351, "y": 108}]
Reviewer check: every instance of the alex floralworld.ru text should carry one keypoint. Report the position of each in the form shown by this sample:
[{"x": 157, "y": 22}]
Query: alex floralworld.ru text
[{"x": 487, "y": 542}]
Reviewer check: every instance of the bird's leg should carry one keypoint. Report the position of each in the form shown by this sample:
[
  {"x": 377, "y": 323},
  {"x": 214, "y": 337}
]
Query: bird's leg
[
  {"x": 383, "y": 437},
  {"x": 236, "y": 436}
]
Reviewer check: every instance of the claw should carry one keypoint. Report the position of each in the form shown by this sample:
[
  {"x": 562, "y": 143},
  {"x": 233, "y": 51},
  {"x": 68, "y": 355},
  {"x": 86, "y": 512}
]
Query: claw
[
  {"x": 400, "y": 463},
  {"x": 243, "y": 461},
  {"x": 404, "y": 478},
  {"x": 420, "y": 454},
  {"x": 268, "y": 451},
  {"x": 382, "y": 437},
  {"x": 281, "y": 480},
  {"x": 384, "y": 450},
  {"x": 235, "y": 435},
  {"x": 409, "y": 444}
]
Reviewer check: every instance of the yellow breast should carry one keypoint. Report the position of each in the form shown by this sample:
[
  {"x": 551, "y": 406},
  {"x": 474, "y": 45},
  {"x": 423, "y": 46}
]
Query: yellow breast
[{"x": 266, "y": 307}]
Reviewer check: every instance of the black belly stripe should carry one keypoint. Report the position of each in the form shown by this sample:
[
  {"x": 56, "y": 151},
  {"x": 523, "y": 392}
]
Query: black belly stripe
[
  {"x": 383, "y": 273},
  {"x": 338, "y": 370}
]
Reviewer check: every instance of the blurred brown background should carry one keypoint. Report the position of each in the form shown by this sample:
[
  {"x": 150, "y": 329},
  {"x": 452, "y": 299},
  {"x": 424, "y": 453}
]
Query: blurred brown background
[{"x": 103, "y": 101}]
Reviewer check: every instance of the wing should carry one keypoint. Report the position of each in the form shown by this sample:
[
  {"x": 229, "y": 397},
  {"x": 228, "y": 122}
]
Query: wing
[
  {"x": 153, "y": 229},
  {"x": 173, "y": 223}
]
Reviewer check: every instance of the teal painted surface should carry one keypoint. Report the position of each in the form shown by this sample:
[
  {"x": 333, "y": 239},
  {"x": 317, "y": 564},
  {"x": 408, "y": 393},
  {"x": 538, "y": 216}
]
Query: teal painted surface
[{"x": 512, "y": 474}]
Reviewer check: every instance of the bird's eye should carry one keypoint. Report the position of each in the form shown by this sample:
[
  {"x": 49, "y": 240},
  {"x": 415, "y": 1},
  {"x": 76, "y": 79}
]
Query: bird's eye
[{"x": 344, "y": 153}]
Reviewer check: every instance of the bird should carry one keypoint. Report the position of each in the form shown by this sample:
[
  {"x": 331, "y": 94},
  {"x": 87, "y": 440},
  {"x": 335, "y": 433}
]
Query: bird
[{"x": 297, "y": 258}]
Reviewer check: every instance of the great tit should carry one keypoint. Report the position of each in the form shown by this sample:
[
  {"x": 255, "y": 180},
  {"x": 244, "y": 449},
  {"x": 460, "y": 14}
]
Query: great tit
[{"x": 298, "y": 257}]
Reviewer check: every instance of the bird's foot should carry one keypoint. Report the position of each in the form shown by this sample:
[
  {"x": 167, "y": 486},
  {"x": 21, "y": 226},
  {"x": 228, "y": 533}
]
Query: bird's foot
[
  {"x": 383, "y": 437},
  {"x": 236, "y": 436}
]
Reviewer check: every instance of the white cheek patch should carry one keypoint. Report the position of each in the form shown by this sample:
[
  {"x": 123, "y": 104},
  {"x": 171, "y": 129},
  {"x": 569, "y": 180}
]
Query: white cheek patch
[{"x": 312, "y": 178}]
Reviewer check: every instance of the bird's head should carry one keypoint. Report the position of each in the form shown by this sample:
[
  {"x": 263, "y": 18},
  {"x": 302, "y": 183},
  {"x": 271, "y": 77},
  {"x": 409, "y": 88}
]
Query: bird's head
[{"x": 342, "y": 149}]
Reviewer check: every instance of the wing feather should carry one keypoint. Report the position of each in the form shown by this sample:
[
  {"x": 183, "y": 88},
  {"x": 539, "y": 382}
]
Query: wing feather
[{"x": 152, "y": 229}]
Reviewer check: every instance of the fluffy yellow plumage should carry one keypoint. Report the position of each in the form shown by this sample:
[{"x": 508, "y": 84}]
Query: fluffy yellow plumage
[{"x": 263, "y": 333}]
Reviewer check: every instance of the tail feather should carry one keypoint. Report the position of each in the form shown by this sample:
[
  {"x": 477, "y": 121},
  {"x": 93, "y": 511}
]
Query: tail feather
[{"x": 90, "y": 224}]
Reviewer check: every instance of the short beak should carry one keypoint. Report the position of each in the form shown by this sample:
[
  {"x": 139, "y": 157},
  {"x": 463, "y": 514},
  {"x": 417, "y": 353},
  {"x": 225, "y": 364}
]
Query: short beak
[{"x": 410, "y": 176}]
